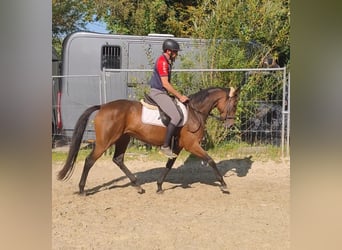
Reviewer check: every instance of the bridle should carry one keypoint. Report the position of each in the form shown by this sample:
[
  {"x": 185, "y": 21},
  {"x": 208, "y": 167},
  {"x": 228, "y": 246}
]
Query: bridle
[
  {"x": 219, "y": 118},
  {"x": 228, "y": 117}
]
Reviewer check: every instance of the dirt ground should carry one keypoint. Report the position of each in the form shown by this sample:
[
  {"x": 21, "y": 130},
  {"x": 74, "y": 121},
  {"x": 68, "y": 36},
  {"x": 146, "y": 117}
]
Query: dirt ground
[{"x": 192, "y": 213}]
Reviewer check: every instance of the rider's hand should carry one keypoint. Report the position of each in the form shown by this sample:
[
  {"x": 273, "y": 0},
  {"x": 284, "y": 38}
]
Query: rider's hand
[{"x": 184, "y": 98}]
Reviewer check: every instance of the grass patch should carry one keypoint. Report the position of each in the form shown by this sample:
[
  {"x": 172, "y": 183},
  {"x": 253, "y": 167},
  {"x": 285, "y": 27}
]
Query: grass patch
[
  {"x": 240, "y": 150},
  {"x": 61, "y": 156},
  {"x": 222, "y": 151}
]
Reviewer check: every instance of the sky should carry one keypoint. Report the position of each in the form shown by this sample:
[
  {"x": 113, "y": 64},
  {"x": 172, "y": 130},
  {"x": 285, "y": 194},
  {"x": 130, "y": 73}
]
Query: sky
[{"x": 99, "y": 27}]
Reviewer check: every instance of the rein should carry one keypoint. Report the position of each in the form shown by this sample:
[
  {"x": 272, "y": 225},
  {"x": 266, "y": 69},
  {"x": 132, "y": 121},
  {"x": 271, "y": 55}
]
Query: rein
[
  {"x": 212, "y": 115},
  {"x": 220, "y": 119}
]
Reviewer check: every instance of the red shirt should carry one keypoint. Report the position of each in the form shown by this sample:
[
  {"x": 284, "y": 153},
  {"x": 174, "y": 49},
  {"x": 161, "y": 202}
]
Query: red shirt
[{"x": 162, "y": 68}]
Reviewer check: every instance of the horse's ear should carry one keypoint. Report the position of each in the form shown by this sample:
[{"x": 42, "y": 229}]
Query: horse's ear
[{"x": 234, "y": 91}]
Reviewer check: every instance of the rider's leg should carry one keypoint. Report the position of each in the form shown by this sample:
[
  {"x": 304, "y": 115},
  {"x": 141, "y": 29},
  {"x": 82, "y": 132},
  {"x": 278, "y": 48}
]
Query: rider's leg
[
  {"x": 166, "y": 103},
  {"x": 165, "y": 148}
]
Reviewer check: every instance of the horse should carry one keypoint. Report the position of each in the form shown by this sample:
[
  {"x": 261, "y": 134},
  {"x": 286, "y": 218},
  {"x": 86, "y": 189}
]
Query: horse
[{"x": 119, "y": 120}]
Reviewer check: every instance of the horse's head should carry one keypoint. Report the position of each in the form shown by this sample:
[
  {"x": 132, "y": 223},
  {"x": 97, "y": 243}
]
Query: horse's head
[
  {"x": 227, "y": 106},
  {"x": 202, "y": 103}
]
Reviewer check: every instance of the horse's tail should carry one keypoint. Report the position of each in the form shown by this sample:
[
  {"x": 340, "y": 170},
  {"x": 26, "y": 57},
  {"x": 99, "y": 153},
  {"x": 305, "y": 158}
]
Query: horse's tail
[{"x": 66, "y": 172}]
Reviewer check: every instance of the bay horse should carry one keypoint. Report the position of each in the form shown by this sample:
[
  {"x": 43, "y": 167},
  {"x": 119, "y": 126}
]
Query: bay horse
[{"x": 117, "y": 121}]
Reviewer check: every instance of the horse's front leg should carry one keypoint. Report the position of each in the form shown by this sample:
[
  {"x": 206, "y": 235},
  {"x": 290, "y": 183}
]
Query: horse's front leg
[
  {"x": 219, "y": 176},
  {"x": 197, "y": 150}
]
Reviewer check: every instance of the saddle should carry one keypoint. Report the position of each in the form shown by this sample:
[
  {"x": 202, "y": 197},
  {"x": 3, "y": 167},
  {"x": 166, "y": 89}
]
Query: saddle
[{"x": 153, "y": 115}]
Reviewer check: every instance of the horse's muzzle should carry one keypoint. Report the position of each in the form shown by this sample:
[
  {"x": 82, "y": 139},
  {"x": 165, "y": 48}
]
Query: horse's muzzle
[{"x": 228, "y": 123}]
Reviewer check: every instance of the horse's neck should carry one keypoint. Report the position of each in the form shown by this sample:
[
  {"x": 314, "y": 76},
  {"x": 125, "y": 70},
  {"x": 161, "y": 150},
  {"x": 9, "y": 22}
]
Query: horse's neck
[
  {"x": 205, "y": 107},
  {"x": 213, "y": 102}
]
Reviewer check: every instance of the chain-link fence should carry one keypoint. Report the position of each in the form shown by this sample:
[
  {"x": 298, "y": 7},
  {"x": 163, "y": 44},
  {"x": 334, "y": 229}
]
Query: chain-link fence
[{"x": 263, "y": 114}]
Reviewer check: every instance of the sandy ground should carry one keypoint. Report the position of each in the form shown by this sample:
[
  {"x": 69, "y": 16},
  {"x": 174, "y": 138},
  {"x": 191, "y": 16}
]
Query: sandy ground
[{"x": 192, "y": 213}]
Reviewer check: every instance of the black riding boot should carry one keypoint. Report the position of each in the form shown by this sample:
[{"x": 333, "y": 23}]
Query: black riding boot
[{"x": 165, "y": 149}]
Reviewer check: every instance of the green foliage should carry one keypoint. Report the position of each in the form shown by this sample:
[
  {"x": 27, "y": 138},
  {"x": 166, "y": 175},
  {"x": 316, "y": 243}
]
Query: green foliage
[{"x": 261, "y": 21}]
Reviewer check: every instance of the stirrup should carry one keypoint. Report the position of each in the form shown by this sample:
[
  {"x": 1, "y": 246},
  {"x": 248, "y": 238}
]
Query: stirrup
[{"x": 167, "y": 152}]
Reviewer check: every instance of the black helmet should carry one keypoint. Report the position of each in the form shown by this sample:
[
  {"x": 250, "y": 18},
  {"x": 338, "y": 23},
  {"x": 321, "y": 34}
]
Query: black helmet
[{"x": 170, "y": 44}]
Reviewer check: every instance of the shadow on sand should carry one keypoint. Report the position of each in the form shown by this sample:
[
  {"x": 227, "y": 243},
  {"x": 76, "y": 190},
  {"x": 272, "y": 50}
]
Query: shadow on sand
[{"x": 192, "y": 171}]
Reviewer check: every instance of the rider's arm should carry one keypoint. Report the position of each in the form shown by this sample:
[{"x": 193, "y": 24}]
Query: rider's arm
[{"x": 167, "y": 85}]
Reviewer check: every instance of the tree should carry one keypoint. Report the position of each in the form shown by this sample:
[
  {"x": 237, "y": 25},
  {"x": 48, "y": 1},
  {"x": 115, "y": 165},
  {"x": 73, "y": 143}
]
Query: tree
[
  {"x": 261, "y": 22},
  {"x": 141, "y": 17},
  {"x": 67, "y": 16}
]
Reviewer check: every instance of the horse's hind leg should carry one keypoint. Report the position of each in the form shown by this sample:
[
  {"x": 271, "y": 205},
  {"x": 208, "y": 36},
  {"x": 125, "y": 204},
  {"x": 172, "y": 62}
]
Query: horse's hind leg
[
  {"x": 118, "y": 159},
  {"x": 89, "y": 162}
]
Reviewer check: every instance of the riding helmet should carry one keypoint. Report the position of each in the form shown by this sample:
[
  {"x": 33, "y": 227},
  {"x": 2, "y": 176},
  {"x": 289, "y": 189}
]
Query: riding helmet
[{"x": 171, "y": 44}]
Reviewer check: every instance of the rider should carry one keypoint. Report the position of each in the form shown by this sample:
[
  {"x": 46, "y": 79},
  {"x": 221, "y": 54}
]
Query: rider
[{"x": 161, "y": 87}]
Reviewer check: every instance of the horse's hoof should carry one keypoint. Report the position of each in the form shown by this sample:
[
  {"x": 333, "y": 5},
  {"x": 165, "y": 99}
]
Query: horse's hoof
[
  {"x": 224, "y": 189},
  {"x": 84, "y": 194},
  {"x": 160, "y": 191},
  {"x": 139, "y": 188}
]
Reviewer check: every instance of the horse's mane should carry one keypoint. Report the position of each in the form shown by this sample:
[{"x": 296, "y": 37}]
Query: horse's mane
[{"x": 201, "y": 95}]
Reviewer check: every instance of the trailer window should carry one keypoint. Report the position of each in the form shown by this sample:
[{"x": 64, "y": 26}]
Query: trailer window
[{"x": 111, "y": 57}]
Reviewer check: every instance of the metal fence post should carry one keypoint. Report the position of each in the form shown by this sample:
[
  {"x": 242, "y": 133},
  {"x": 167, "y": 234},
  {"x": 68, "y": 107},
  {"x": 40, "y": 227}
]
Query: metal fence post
[{"x": 288, "y": 117}]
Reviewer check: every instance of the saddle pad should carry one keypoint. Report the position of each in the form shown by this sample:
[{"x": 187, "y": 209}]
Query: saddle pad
[{"x": 152, "y": 116}]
